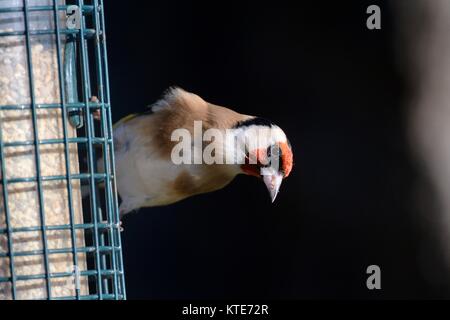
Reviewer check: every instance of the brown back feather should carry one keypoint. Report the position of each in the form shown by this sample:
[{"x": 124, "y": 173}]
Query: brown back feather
[{"x": 179, "y": 109}]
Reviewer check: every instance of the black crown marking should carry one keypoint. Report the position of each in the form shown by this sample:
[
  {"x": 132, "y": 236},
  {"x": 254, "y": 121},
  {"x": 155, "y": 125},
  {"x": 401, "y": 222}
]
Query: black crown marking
[{"x": 257, "y": 121}]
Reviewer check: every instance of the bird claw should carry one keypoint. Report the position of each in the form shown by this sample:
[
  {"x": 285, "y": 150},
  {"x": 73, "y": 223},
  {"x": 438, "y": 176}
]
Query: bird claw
[
  {"x": 120, "y": 226},
  {"x": 96, "y": 113}
]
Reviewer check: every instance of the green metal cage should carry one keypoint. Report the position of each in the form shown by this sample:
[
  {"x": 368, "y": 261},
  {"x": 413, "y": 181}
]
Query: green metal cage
[{"x": 59, "y": 220}]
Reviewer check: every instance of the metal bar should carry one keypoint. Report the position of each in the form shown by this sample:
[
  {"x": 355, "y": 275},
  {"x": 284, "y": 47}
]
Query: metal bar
[
  {"x": 36, "y": 148},
  {"x": 71, "y": 83},
  {"x": 9, "y": 229},
  {"x": 87, "y": 273},
  {"x": 70, "y": 106},
  {"x": 85, "y": 8},
  {"x": 56, "y": 141},
  {"x": 93, "y": 297},
  {"x": 86, "y": 93},
  {"x": 66, "y": 143},
  {"x": 114, "y": 206},
  {"x": 80, "y": 226},
  {"x": 106, "y": 147},
  {"x": 88, "y": 33},
  {"x": 80, "y": 176},
  {"x": 62, "y": 250}
]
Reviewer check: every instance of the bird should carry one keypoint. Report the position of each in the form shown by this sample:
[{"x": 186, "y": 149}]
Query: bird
[{"x": 145, "y": 170}]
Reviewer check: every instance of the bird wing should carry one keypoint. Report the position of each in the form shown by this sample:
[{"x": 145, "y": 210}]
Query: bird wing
[{"x": 177, "y": 109}]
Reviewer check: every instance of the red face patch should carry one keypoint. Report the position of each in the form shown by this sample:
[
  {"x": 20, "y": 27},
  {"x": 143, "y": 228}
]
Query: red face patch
[
  {"x": 260, "y": 155},
  {"x": 287, "y": 159}
]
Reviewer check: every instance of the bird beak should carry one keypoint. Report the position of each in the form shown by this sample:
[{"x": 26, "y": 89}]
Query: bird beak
[{"x": 273, "y": 181}]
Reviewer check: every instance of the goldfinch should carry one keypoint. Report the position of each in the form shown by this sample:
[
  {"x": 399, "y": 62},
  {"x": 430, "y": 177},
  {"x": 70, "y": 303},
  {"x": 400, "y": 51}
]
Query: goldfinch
[{"x": 147, "y": 151}]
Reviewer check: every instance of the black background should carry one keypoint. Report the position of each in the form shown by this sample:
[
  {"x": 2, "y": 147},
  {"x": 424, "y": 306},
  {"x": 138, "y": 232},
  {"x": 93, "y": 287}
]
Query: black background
[{"x": 334, "y": 87}]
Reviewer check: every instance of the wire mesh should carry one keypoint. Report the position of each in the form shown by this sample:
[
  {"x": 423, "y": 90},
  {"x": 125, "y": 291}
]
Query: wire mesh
[{"x": 55, "y": 123}]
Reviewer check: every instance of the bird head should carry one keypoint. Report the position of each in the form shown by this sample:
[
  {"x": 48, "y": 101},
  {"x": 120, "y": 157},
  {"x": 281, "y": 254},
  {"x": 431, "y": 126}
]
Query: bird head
[{"x": 268, "y": 153}]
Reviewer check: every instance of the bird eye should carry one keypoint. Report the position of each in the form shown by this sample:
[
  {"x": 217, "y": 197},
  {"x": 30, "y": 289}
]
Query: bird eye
[
  {"x": 274, "y": 154},
  {"x": 269, "y": 151},
  {"x": 273, "y": 150}
]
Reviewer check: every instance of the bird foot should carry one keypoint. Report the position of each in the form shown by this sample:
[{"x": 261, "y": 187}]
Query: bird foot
[{"x": 96, "y": 113}]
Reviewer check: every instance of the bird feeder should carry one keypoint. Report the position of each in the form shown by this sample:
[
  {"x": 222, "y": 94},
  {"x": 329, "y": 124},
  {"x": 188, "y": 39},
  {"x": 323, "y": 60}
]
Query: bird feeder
[{"x": 54, "y": 242}]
